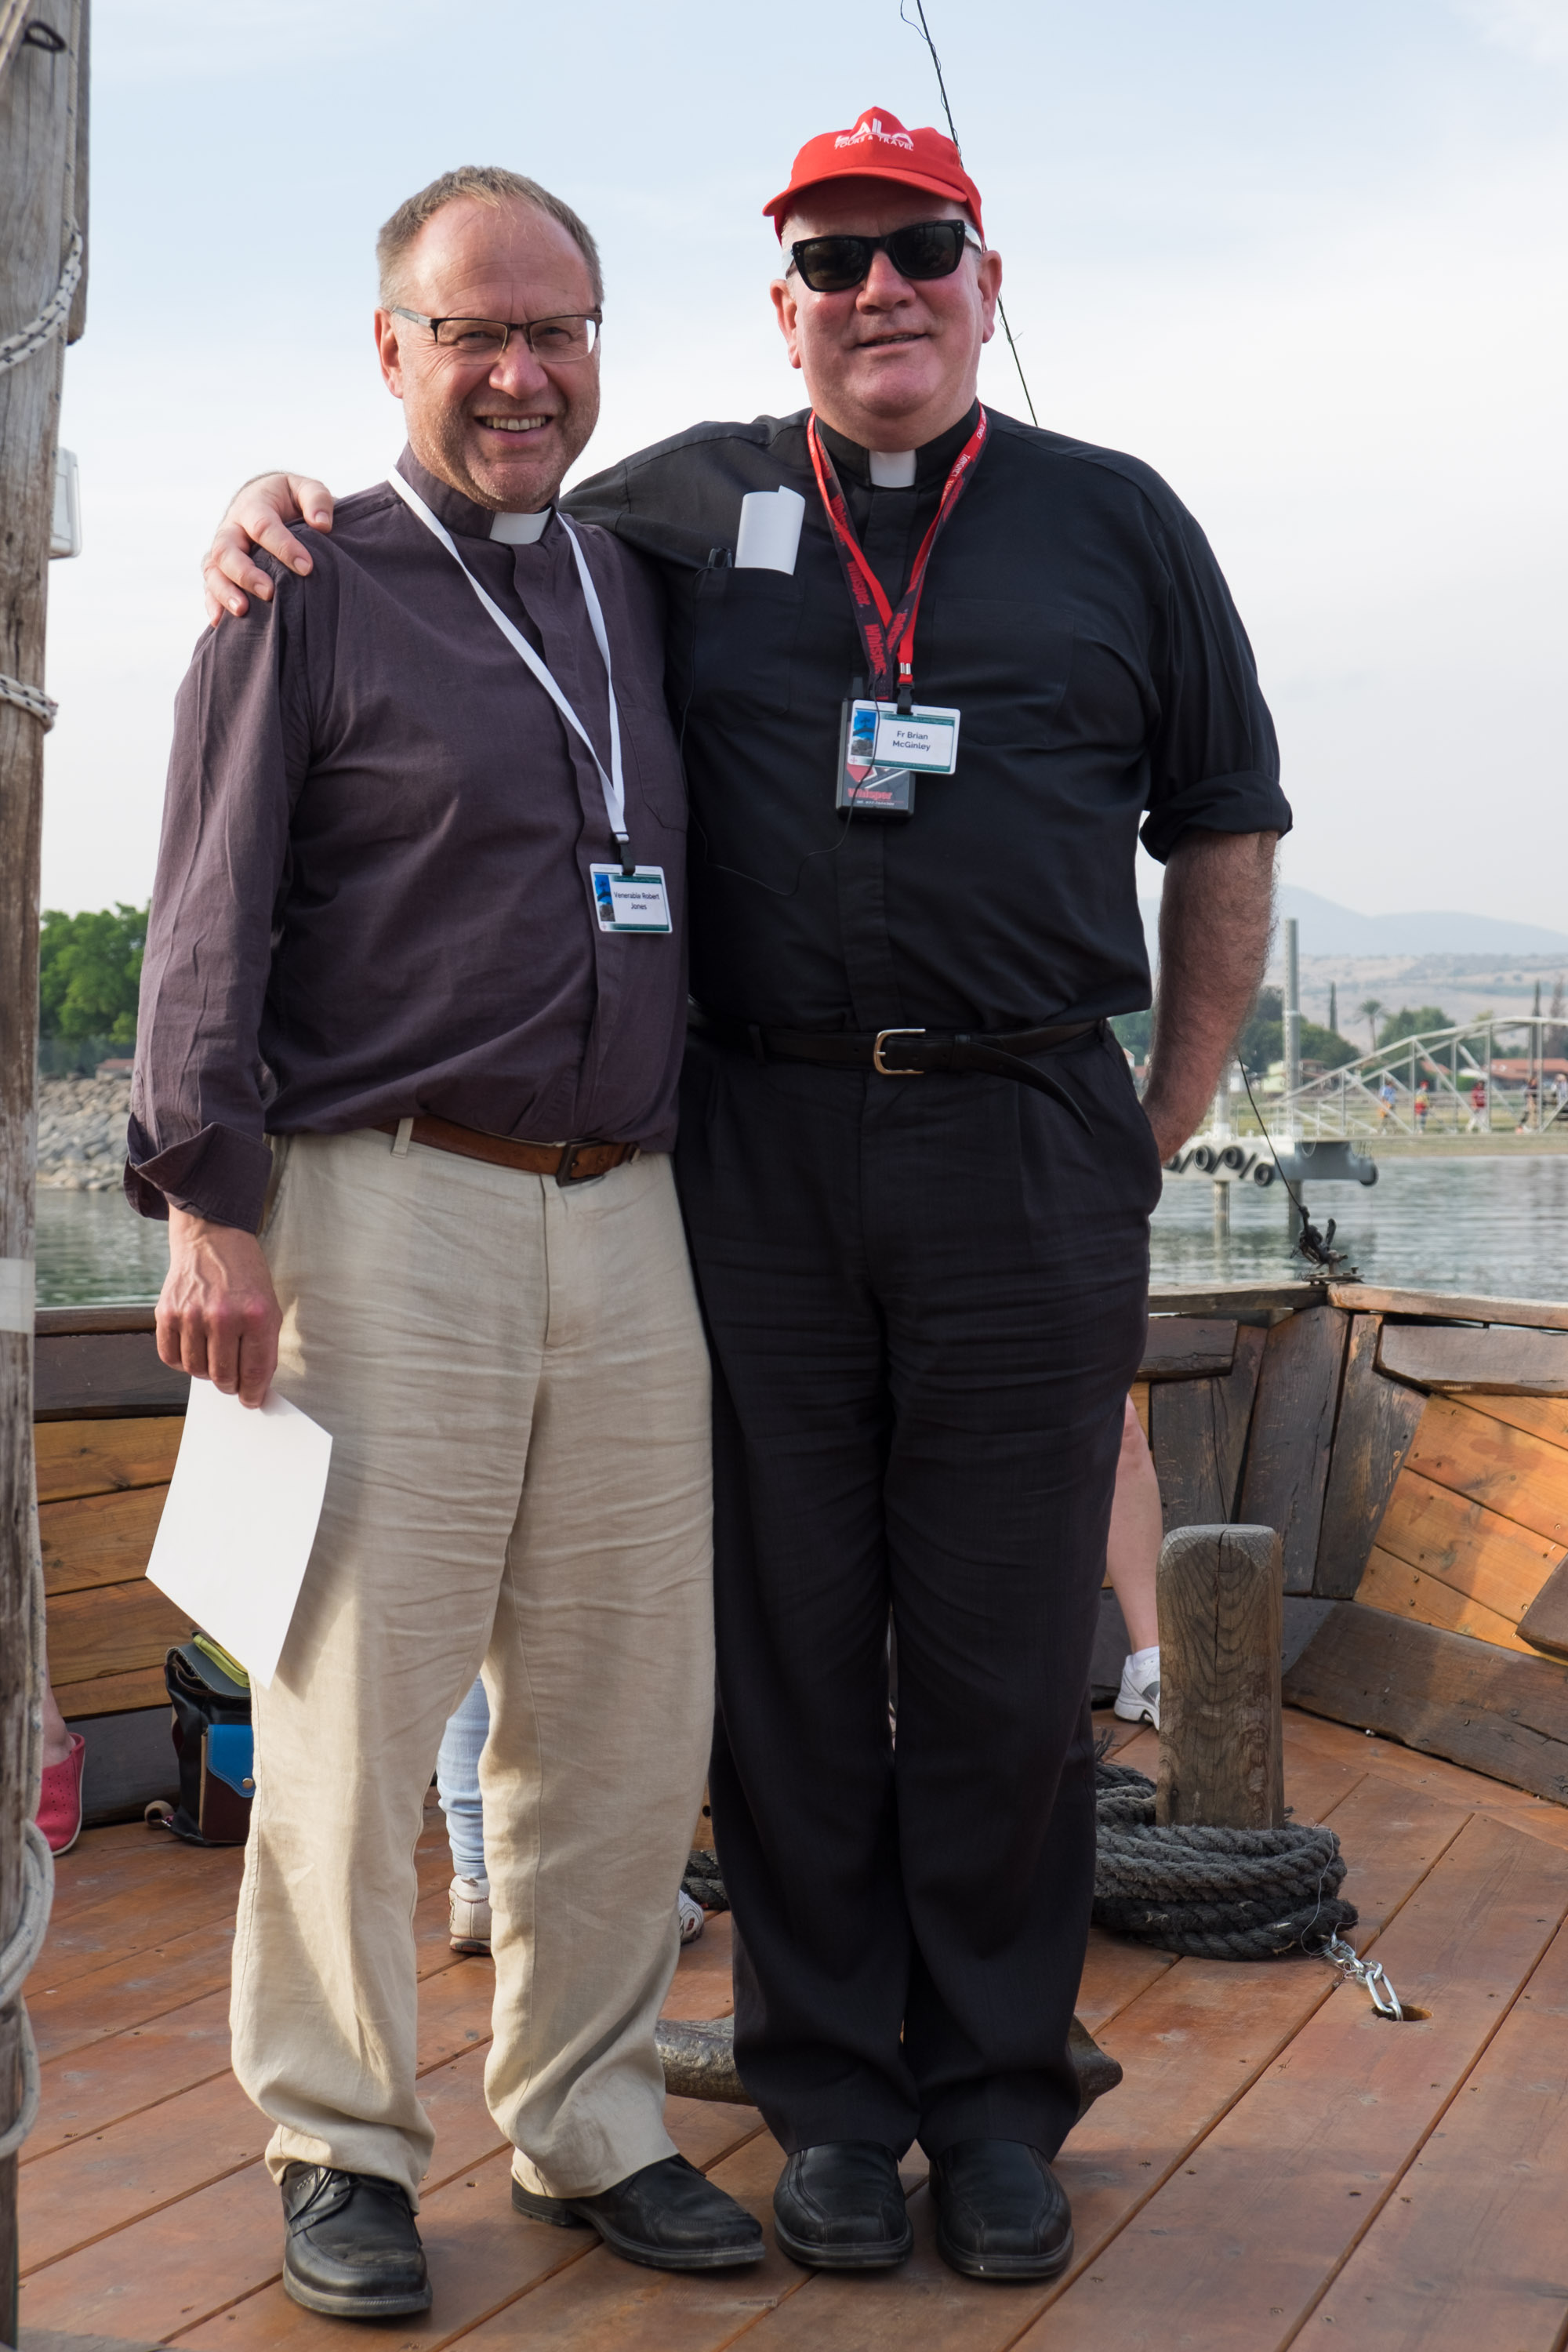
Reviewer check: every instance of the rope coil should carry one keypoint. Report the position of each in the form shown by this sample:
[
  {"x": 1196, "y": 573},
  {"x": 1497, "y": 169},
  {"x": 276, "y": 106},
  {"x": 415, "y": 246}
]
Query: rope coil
[
  {"x": 32, "y": 338},
  {"x": 22, "y": 1947},
  {"x": 1215, "y": 1894},
  {"x": 30, "y": 699}
]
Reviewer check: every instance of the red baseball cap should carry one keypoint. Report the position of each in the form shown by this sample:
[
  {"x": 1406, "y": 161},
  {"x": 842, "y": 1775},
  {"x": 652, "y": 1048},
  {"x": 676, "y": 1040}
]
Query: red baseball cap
[{"x": 879, "y": 148}]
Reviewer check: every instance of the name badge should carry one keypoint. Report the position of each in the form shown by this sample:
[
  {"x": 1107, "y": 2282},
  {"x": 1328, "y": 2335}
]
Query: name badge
[
  {"x": 924, "y": 739},
  {"x": 630, "y": 902}
]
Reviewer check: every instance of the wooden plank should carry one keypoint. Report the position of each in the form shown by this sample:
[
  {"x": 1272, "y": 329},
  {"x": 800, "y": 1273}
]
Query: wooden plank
[
  {"x": 1465, "y": 1448},
  {"x": 58, "y": 1322},
  {"x": 1377, "y": 1419},
  {"x": 1544, "y": 1625},
  {"x": 1489, "y": 1559},
  {"x": 1186, "y": 1347},
  {"x": 1190, "y": 2047},
  {"x": 98, "y": 1457},
  {"x": 1234, "y": 2248},
  {"x": 1140, "y": 1406},
  {"x": 98, "y": 1538},
  {"x": 1234, "y": 1402},
  {"x": 1450, "y": 1306},
  {"x": 1542, "y": 1417},
  {"x": 1501, "y": 1359},
  {"x": 1292, "y": 1430},
  {"x": 1445, "y": 1693},
  {"x": 1470, "y": 2253},
  {"x": 111, "y": 1629},
  {"x": 111, "y": 1694},
  {"x": 1404, "y": 1592},
  {"x": 1221, "y": 1747},
  {"x": 1197, "y": 1432},
  {"x": 1237, "y": 1298},
  {"x": 103, "y": 1377}
]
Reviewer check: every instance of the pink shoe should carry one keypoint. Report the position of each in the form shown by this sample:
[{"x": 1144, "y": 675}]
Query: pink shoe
[{"x": 59, "y": 1808}]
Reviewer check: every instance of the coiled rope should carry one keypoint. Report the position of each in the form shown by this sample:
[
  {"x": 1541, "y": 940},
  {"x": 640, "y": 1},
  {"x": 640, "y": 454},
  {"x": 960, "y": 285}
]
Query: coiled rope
[
  {"x": 1217, "y": 1895},
  {"x": 14, "y": 350},
  {"x": 26, "y": 1940}
]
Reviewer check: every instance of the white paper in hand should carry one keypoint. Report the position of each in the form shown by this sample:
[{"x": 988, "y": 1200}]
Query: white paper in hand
[{"x": 237, "y": 1530}]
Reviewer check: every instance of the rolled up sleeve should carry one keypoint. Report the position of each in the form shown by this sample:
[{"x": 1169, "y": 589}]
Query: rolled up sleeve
[
  {"x": 1215, "y": 760},
  {"x": 240, "y": 753}
]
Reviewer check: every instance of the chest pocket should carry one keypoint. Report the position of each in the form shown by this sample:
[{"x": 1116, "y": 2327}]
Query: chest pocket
[
  {"x": 744, "y": 628},
  {"x": 1006, "y": 663}
]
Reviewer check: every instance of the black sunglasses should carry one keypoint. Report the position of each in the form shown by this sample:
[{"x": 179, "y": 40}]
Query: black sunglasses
[{"x": 832, "y": 264}]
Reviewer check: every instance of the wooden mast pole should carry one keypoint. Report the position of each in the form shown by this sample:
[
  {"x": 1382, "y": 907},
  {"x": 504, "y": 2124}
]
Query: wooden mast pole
[{"x": 43, "y": 85}]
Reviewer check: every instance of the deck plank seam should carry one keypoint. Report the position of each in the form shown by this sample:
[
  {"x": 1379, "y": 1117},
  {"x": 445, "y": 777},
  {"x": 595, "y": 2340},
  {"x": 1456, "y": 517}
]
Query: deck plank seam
[
  {"x": 1078, "y": 2266},
  {"x": 1383, "y": 2203}
]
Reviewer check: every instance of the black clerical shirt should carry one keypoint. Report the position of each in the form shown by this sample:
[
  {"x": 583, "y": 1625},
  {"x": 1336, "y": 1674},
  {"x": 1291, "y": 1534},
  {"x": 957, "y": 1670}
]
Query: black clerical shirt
[{"x": 1075, "y": 615}]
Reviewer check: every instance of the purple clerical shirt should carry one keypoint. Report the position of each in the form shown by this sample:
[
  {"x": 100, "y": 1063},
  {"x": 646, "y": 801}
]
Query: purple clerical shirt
[{"x": 372, "y": 896}]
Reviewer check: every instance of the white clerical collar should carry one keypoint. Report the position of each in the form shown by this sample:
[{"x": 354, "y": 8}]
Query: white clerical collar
[
  {"x": 892, "y": 469},
  {"x": 523, "y": 529}
]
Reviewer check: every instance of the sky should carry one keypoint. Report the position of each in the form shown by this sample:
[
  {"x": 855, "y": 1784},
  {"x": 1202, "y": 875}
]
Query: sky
[{"x": 1305, "y": 257}]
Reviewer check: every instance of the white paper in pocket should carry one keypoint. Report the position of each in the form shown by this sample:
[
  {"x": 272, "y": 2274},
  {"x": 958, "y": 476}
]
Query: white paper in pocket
[{"x": 241, "y": 1516}]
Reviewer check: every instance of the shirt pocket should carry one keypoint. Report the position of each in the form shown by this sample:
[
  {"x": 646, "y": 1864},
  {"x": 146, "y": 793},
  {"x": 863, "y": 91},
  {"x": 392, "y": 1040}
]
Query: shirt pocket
[
  {"x": 1006, "y": 663},
  {"x": 745, "y": 626}
]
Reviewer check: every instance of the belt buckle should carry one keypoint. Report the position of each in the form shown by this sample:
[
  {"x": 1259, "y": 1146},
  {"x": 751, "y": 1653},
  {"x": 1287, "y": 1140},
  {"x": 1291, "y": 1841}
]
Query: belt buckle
[
  {"x": 879, "y": 1066},
  {"x": 566, "y": 1174}
]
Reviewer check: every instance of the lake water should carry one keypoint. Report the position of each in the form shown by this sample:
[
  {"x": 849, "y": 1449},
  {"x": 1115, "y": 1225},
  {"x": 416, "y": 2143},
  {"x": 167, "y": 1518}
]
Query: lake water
[{"x": 1494, "y": 1226}]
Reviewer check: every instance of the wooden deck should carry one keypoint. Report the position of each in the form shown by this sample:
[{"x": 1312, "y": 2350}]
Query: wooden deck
[{"x": 1277, "y": 2161}]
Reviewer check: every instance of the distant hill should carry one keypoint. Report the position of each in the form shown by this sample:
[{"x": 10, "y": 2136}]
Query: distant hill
[{"x": 1327, "y": 930}]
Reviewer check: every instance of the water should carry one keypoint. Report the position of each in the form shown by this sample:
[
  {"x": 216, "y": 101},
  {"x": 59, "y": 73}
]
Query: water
[
  {"x": 92, "y": 1247},
  {"x": 1494, "y": 1226}
]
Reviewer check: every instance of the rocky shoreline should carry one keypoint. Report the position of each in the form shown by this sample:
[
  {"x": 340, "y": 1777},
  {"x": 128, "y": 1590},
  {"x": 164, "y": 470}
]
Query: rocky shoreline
[{"x": 81, "y": 1133}]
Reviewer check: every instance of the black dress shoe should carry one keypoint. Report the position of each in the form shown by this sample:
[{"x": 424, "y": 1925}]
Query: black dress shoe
[
  {"x": 352, "y": 2251},
  {"x": 667, "y": 2216},
  {"x": 1001, "y": 2212},
  {"x": 840, "y": 2207}
]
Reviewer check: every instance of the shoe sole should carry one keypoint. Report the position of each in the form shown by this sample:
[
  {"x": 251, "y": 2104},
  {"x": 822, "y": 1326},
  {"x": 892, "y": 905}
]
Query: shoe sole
[
  {"x": 474, "y": 1945},
  {"x": 1003, "y": 2266},
  {"x": 562, "y": 2214},
  {"x": 1140, "y": 1715},
  {"x": 354, "y": 2306},
  {"x": 883, "y": 2255}
]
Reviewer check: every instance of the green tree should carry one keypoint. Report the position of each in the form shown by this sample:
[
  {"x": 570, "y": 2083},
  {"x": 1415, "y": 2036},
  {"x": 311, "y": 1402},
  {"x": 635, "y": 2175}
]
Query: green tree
[
  {"x": 1414, "y": 1021},
  {"x": 1368, "y": 1010},
  {"x": 89, "y": 972},
  {"x": 1263, "y": 1039},
  {"x": 1134, "y": 1031}
]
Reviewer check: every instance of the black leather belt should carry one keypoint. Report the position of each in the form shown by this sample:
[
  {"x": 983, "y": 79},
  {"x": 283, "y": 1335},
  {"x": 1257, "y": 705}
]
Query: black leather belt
[{"x": 909, "y": 1052}]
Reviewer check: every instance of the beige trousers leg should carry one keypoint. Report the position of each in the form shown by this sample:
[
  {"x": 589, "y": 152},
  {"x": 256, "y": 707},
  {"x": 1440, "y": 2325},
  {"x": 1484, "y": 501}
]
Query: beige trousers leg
[{"x": 515, "y": 1381}]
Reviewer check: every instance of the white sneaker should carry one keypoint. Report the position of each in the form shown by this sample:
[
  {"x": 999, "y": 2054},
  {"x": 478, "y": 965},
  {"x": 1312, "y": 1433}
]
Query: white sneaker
[
  {"x": 691, "y": 1915},
  {"x": 469, "y": 1915},
  {"x": 1138, "y": 1700}
]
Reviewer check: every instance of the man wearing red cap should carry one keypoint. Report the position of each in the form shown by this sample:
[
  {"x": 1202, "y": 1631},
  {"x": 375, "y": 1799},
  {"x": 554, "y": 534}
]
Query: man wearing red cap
[{"x": 919, "y": 740}]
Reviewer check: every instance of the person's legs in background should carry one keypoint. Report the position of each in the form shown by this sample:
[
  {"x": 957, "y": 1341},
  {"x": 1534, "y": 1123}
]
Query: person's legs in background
[
  {"x": 1132, "y": 1562},
  {"x": 457, "y": 1782}
]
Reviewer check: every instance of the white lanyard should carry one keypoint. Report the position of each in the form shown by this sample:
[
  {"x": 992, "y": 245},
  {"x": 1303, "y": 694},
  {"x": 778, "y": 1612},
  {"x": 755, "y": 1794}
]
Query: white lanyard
[{"x": 612, "y": 782}]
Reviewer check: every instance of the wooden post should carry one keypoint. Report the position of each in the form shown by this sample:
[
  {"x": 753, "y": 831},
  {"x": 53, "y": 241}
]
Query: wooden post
[
  {"x": 39, "y": 56},
  {"x": 1221, "y": 1738}
]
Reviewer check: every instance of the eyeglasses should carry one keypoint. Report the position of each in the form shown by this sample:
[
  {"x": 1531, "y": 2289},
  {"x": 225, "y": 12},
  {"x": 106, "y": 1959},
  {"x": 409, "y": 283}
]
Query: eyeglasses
[
  {"x": 832, "y": 264},
  {"x": 570, "y": 338}
]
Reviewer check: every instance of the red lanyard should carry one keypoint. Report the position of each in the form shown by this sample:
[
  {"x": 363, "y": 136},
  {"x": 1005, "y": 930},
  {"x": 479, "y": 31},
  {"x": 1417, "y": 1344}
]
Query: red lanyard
[{"x": 888, "y": 631}]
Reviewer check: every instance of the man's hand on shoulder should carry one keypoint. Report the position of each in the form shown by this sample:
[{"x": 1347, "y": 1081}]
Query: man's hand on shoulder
[
  {"x": 218, "y": 1317},
  {"x": 258, "y": 515}
]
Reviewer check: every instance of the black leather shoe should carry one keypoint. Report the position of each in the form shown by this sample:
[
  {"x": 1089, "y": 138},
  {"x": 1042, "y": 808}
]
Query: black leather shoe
[
  {"x": 1001, "y": 2212},
  {"x": 667, "y": 2216},
  {"x": 840, "y": 2207},
  {"x": 351, "y": 2249}
]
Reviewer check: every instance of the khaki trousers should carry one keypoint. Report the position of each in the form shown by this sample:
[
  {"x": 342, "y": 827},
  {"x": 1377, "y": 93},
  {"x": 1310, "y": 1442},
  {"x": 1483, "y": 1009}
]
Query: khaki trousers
[{"x": 515, "y": 1381}]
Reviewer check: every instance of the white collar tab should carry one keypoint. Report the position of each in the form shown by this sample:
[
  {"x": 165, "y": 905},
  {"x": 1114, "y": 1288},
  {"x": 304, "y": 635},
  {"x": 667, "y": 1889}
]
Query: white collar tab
[{"x": 523, "y": 529}]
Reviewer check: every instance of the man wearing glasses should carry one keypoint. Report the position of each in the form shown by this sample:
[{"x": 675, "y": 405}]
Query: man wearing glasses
[
  {"x": 915, "y": 1176},
  {"x": 412, "y": 1007}
]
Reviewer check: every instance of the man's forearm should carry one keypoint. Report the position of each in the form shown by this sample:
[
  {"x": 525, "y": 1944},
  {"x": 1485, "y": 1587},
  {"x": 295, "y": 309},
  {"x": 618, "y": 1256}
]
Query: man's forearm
[{"x": 1215, "y": 914}]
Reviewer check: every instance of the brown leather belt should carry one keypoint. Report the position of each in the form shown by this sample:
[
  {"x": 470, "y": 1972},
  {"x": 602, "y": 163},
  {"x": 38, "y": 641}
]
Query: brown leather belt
[{"x": 569, "y": 1163}]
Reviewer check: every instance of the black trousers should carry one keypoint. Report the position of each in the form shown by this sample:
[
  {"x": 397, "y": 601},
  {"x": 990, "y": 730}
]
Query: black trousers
[{"x": 926, "y": 1300}]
